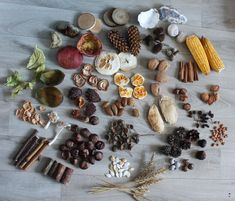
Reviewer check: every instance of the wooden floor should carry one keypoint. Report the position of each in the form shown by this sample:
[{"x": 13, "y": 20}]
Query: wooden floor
[{"x": 25, "y": 23}]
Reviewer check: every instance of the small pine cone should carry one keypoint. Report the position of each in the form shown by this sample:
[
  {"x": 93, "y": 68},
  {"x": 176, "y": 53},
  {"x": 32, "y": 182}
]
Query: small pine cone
[
  {"x": 118, "y": 41},
  {"x": 134, "y": 40}
]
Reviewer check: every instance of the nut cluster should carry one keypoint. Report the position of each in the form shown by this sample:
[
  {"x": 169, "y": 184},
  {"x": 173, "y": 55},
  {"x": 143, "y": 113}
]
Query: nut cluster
[
  {"x": 121, "y": 135},
  {"x": 86, "y": 109},
  {"x": 218, "y": 135},
  {"x": 183, "y": 97},
  {"x": 117, "y": 107},
  {"x": 28, "y": 113},
  {"x": 212, "y": 97},
  {"x": 83, "y": 148}
]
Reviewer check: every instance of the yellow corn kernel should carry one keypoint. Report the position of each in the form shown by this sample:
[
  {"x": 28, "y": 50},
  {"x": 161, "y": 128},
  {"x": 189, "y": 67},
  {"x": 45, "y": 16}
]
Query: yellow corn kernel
[
  {"x": 195, "y": 47},
  {"x": 213, "y": 57}
]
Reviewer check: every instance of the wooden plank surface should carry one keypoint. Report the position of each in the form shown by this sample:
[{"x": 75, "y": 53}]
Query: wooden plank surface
[{"x": 24, "y": 23}]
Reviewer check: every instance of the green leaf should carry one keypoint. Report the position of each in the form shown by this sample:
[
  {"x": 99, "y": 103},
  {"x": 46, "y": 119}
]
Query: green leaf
[
  {"x": 13, "y": 79},
  {"x": 37, "y": 60}
]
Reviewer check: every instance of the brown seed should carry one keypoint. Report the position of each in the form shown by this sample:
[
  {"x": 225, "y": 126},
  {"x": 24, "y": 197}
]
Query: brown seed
[
  {"x": 105, "y": 104},
  {"x": 204, "y": 97},
  {"x": 80, "y": 102},
  {"x": 186, "y": 106},
  {"x": 118, "y": 104},
  {"x": 120, "y": 112},
  {"x": 176, "y": 91},
  {"x": 135, "y": 112},
  {"x": 183, "y": 91},
  {"x": 124, "y": 101},
  {"x": 211, "y": 99},
  {"x": 131, "y": 101},
  {"x": 214, "y": 88},
  {"x": 114, "y": 109},
  {"x": 108, "y": 111}
]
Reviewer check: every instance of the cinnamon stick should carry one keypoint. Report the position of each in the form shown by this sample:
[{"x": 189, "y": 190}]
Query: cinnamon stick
[
  {"x": 195, "y": 72},
  {"x": 35, "y": 154},
  {"x": 25, "y": 146},
  {"x": 46, "y": 170},
  {"x": 59, "y": 172},
  {"x": 181, "y": 71},
  {"x": 66, "y": 176},
  {"x": 190, "y": 72},
  {"x": 31, "y": 146},
  {"x": 52, "y": 169},
  {"x": 185, "y": 72}
]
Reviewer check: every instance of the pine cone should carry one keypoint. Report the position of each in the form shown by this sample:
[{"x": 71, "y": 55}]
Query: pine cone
[
  {"x": 134, "y": 40},
  {"x": 118, "y": 41}
]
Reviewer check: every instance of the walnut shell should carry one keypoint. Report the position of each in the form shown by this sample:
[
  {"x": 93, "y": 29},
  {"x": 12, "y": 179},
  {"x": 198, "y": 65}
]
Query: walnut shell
[
  {"x": 155, "y": 89},
  {"x": 161, "y": 76},
  {"x": 153, "y": 64},
  {"x": 163, "y": 65}
]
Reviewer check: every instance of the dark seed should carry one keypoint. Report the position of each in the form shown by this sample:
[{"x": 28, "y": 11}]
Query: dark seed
[
  {"x": 202, "y": 143},
  {"x": 75, "y": 153},
  {"x": 74, "y": 161},
  {"x": 83, "y": 165},
  {"x": 84, "y": 153},
  {"x": 99, "y": 145},
  {"x": 98, "y": 156},
  {"x": 157, "y": 48},
  {"x": 65, "y": 155},
  {"x": 90, "y": 146},
  {"x": 85, "y": 132},
  {"x": 93, "y": 138},
  {"x": 70, "y": 143},
  {"x": 190, "y": 166},
  {"x": 201, "y": 155}
]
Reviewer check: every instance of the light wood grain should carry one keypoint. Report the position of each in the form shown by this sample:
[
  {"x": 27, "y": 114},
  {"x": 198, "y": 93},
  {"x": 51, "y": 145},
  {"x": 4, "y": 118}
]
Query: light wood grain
[{"x": 24, "y": 23}]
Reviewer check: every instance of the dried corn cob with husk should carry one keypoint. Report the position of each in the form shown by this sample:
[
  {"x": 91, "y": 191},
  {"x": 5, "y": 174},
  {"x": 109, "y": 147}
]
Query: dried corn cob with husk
[
  {"x": 214, "y": 60},
  {"x": 195, "y": 46}
]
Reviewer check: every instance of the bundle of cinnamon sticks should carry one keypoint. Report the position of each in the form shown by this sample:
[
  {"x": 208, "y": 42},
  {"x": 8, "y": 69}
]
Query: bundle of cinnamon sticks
[
  {"x": 187, "y": 72},
  {"x": 30, "y": 151}
]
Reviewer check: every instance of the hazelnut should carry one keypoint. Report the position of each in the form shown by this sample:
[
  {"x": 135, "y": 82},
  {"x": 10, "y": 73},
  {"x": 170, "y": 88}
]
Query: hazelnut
[
  {"x": 186, "y": 106},
  {"x": 204, "y": 97},
  {"x": 155, "y": 88},
  {"x": 214, "y": 88},
  {"x": 93, "y": 138},
  {"x": 211, "y": 99},
  {"x": 77, "y": 137},
  {"x": 163, "y": 65},
  {"x": 83, "y": 165},
  {"x": 135, "y": 112},
  {"x": 161, "y": 76},
  {"x": 98, "y": 156},
  {"x": 85, "y": 132},
  {"x": 183, "y": 98},
  {"x": 153, "y": 64}
]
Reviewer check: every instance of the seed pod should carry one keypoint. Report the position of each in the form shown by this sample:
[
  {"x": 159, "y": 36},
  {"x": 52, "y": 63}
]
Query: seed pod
[
  {"x": 168, "y": 109},
  {"x": 155, "y": 119}
]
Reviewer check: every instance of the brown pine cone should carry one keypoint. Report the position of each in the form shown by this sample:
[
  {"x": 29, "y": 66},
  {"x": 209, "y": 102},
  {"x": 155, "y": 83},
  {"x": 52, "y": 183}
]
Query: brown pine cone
[
  {"x": 118, "y": 41},
  {"x": 134, "y": 40}
]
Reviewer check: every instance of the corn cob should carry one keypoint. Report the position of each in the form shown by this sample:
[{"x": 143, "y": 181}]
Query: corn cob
[
  {"x": 194, "y": 45},
  {"x": 214, "y": 60}
]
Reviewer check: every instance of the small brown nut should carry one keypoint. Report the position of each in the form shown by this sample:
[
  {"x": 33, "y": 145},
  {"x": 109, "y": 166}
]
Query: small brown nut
[
  {"x": 155, "y": 89},
  {"x": 105, "y": 104},
  {"x": 183, "y": 98},
  {"x": 124, "y": 101},
  {"x": 83, "y": 118},
  {"x": 204, "y": 97},
  {"x": 108, "y": 110},
  {"x": 135, "y": 112},
  {"x": 153, "y": 64},
  {"x": 176, "y": 91},
  {"x": 161, "y": 77},
  {"x": 186, "y": 106},
  {"x": 120, "y": 112},
  {"x": 214, "y": 88},
  {"x": 163, "y": 65},
  {"x": 131, "y": 101},
  {"x": 183, "y": 91},
  {"x": 114, "y": 109}
]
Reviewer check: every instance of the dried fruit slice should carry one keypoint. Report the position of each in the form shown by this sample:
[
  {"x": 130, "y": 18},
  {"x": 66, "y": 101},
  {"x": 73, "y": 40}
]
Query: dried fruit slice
[
  {"x": 107, "y": 63},
  {"x": 107, "y": 17},
  {"x": 128, "y": 61},
  {"x": 137, "y": 80},
  {"x": 140, "y": 92},
  {"x": 120, "y": 79},
  {"x": 120, "y": 16},
  {"x": 125, "y": 92}
]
